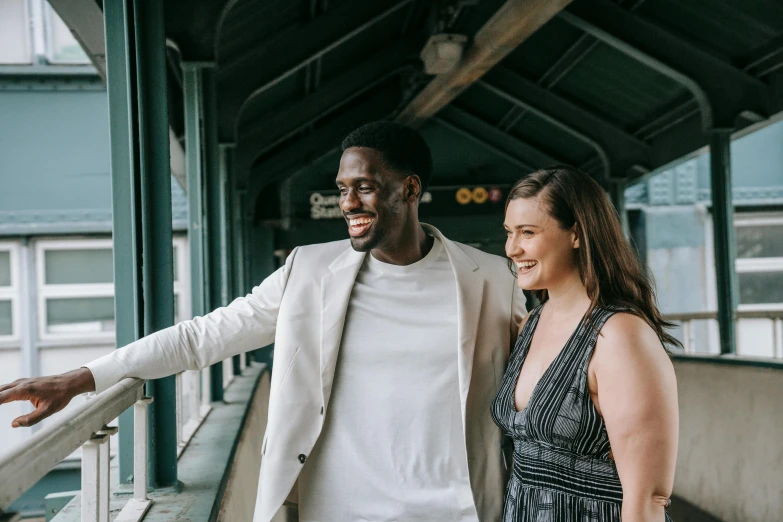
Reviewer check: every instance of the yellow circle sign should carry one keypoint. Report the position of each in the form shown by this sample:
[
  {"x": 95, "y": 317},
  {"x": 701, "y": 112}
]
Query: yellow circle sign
[
  {"x": 464, "y": 196},
  {"x": 480, "y": 195}
]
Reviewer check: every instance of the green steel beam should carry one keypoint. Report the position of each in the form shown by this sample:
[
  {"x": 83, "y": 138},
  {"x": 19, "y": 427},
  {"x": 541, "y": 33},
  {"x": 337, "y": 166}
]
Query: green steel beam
[
  {"x": 491, "y": 135},
  {"x": 142, "y": 197},
  {"x": 722, "y": 90},
  {"x": 617, "y": 195},
  {"x": 157, "y": 254},
  {"x": 581, "y": 135},
  {"x": 239, "y": 224},
  {"x": 192, "y": 93},
  {"x": 238, "y": 232},
  {"x": 303, "y": 152},
  {"x": 227, "y": 210},
  {"x": 723, "y": 234},
  {"x": 259, "y": 132},
  {"x": 253, "y": 72},
  {"x": 125, "y": 205},
  {"x": 213, "y": 195},
  {"x": 621, "y": 151}
]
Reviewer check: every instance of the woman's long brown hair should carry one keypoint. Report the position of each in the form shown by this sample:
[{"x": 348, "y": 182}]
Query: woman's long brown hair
[{"x": 608, "y": 266}]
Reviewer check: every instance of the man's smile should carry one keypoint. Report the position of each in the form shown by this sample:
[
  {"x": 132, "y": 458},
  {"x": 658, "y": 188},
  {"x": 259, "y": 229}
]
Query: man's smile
[{"x": 358, "y": 226}]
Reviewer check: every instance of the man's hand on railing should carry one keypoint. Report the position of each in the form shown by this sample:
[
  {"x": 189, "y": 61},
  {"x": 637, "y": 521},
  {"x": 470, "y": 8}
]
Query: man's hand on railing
[{"x": 48, "y": 394}]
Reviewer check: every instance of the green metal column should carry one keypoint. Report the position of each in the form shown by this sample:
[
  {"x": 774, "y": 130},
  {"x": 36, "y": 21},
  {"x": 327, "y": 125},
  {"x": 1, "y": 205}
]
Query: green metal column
[
  {"x": 125, "y": 218},
  {"x": 723, "y": 234},
  {"x": 214, "y": 215},
  {"x": 192, "y": 93},
  {"x": 227, "y": 224},
  {"x": 238, "y": 233},
  {"x": 141, "y": 185},
  {"x": 617, "y": 195},
  {"x": 238, "y": 242}
]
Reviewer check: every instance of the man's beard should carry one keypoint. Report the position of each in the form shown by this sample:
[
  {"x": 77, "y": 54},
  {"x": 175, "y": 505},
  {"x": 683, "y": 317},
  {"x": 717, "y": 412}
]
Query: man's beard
[{"x": 367, "y": 243}]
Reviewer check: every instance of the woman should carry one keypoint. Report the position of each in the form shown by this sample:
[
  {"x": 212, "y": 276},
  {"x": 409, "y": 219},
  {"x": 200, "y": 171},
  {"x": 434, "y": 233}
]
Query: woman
[{"x": 589, "y": 397}]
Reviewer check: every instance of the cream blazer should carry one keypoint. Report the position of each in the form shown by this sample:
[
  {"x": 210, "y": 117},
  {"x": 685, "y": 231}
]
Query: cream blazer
[{"x": 302, "y": 308}]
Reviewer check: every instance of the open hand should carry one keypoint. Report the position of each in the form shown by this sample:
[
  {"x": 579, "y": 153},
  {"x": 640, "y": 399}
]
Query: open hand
[{"x": 47, "y": 394}]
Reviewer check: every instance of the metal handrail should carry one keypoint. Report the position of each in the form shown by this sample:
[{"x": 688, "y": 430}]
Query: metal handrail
[
  {"x": 739, "y": 314},
  {"x": 686, "y": 319},
  {"x": 26, "y": 464}
]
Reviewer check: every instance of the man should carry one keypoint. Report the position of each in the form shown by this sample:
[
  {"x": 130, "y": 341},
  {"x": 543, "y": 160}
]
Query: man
[{"x": 385, "y": 364}]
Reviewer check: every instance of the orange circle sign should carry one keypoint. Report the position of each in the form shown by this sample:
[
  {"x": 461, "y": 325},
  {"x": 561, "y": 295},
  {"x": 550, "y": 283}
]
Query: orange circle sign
[{"x": 464, "y": 196}]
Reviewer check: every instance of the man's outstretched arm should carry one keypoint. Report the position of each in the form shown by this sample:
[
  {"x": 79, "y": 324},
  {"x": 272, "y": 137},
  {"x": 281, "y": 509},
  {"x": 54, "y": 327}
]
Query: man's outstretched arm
[
  {"x": 48, "y": 394},
  {"x": 246, "y": 324}
]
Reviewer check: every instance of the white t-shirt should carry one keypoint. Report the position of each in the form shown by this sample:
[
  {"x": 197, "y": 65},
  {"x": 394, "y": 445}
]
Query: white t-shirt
[{"x": 393, "y": 446}]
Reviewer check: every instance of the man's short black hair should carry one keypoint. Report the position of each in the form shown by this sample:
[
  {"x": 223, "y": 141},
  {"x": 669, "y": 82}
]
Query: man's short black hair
[{"x": 403, "y": 148}]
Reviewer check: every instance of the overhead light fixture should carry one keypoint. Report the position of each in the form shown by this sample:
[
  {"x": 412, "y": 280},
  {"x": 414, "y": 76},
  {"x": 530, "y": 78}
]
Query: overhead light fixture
[{"x": 443, "y": 52}]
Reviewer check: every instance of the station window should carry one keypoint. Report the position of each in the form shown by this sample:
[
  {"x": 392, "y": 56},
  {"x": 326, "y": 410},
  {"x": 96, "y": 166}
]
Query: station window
[
  {"x": 15, "y": 45},
  {"x": 62, "y": 47},
  {"x": 760, "y": 260},
  {"x": 9, "y": 292},
  {"x": 76, "y": 287}
]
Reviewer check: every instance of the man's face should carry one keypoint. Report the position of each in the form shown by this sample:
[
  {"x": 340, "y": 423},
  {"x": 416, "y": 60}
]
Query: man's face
[{"x": 371, "y": 198}]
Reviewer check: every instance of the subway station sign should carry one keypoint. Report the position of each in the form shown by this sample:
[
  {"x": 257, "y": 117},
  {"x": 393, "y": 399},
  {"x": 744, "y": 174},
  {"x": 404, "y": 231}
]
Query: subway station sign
[{"x": 437, "y": 201}]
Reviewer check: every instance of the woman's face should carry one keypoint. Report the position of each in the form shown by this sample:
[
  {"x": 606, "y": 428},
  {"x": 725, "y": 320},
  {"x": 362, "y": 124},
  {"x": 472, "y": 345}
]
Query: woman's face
[{"x": 543, "y": 251}]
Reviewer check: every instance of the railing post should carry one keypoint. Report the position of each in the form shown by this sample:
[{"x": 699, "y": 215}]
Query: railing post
[
  {"x": 91, "y": 479},
  {"x": 687, "y": 336},
  {"x": 103, "y": 477},
  {"x": 138, "y": 506},
  {"x": 140, "y": 449}
]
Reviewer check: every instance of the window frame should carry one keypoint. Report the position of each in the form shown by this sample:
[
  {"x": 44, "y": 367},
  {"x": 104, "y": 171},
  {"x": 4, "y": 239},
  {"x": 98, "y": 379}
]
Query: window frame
[
  {"x": 48, "y": 14},
  {"x": 12, "y": 293},
  {"x": 28, "y": 39},
  {"x": 182, "y": 283},
  {"x": 758, "y": 264},
  {"x": 60, "y": 291},
  {"x": 46, "y": 291}
]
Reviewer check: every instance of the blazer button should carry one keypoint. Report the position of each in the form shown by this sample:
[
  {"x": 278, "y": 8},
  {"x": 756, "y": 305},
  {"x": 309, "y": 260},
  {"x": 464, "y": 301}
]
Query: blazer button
[
  {"x": 322, "y": 410},
  {"x": 302, "y": 458}
]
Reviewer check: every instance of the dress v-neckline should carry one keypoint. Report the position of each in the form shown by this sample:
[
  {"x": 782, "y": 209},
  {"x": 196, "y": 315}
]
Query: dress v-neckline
[{"x": 523, "y": 358}]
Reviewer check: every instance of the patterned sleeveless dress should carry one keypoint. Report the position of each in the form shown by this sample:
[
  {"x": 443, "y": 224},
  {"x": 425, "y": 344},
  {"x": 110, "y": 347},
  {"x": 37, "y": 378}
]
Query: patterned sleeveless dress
[{"x": 561, "y": 471}]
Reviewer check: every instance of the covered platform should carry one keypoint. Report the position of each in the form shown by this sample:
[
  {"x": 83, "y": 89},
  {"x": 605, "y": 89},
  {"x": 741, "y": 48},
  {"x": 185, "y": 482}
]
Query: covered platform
[{"x": 245, "y": 103}]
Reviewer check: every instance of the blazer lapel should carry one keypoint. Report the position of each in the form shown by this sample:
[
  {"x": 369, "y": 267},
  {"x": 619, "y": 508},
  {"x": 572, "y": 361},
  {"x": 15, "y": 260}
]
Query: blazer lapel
[
  {"x": 470, "y": 293},
  {"x": 335, "y": 294}
]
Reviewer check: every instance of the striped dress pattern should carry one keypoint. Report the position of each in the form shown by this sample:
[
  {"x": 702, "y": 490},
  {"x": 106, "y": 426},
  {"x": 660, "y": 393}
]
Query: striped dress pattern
[{"x": 561, "y": 467}]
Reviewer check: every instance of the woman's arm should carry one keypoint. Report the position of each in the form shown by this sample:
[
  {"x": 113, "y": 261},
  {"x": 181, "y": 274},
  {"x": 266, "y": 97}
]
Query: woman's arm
[{"x": 637, "y": 394}]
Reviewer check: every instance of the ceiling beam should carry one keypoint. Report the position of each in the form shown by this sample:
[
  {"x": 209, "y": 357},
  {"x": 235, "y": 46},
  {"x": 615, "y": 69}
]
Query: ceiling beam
[
  {"x": 260, "y": 132},
  {"x": 722, "y": 91},
  {"x": 285, "y": 55},
  {"x": 512, "y": 24},
  {"x": 484, "y": 144},
  {"x": 567, "y": 62},
  {"x": 620, "y": 151},
  {"x": 309, "y": 149},
  {"x": 507, "y": 143}
]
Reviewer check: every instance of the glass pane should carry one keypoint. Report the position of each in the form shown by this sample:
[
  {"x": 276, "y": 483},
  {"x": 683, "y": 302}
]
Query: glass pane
[
  {"x": 64, "y": 47},
  {"x": 6, "y": 318},
  {"x": 78, "y": 266},
  {"x": 5, "y": 269},
  {"x": 80, "y": 315},
  {"x": 14, "y": 39},
  {"x": 761, "y": 287},
  {"x": 760, "y": 241}
]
